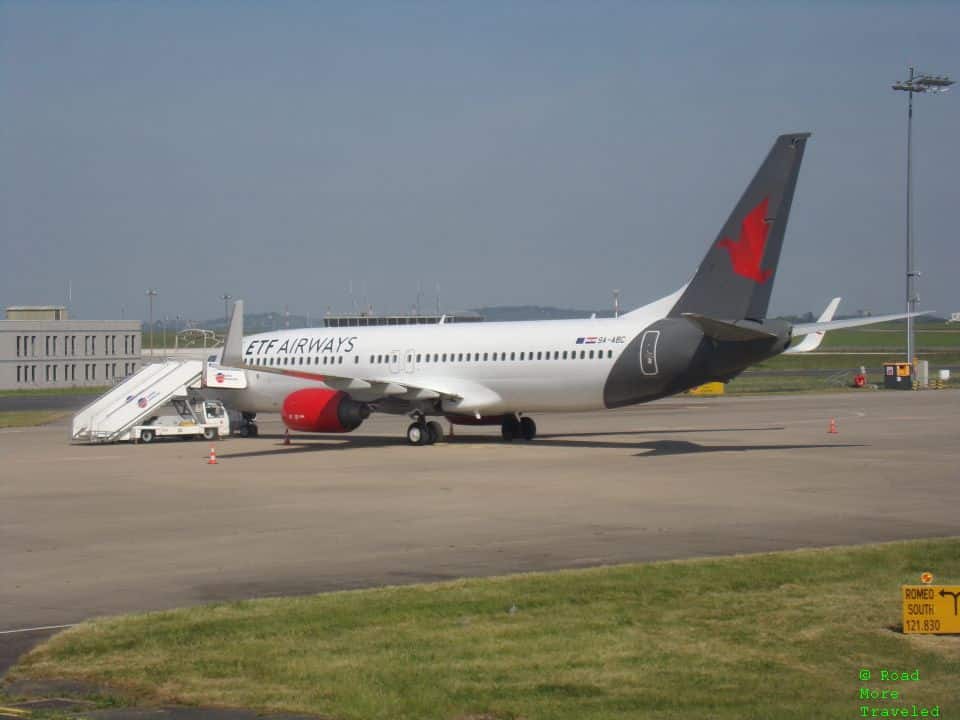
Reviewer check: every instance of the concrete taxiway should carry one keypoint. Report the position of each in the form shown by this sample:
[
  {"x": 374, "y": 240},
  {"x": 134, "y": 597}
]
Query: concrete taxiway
[{"x": 93, "y": 530}]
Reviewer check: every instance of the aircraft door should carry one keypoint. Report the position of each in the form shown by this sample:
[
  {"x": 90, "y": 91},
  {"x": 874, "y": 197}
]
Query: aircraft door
[
  {"x": 396, "y": 361},
  {"x": 648, "y": 352}
]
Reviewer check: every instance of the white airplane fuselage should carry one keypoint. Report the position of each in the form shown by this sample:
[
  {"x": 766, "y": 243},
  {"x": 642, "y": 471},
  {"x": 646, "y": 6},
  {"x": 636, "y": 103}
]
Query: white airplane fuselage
[{"x": 485, "y": 368}]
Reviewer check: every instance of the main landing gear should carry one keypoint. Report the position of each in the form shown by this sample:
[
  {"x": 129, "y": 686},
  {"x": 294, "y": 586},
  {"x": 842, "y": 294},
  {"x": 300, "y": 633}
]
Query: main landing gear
[
  {"x": 248, "y": 426},
  {"x": 422, "y": 432},
  {"x": 513, "y": 428}
]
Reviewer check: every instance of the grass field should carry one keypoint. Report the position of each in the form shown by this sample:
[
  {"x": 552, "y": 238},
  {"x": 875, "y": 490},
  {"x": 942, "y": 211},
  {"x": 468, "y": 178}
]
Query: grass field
[
  {"x": 35, "y": 392},
  {"x": 29, "y": 418},
  {"x": 776, "y": 635}
]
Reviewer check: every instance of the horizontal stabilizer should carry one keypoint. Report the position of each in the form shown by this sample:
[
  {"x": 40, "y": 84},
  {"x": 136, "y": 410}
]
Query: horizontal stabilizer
[
  {"x": 728, "y": 331},
  {"x": 807, "y": 328}
]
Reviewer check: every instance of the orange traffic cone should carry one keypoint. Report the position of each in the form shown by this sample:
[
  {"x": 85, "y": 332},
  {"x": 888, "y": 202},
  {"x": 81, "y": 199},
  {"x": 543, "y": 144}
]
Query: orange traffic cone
[
  {"x": 832, "y": 430},
  {"x": 213, "y": 456},
  {"x": 286, "y": 437}
]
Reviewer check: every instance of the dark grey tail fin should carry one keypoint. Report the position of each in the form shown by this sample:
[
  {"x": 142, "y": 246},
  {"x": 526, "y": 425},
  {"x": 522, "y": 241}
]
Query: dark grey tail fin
[{"x": 736, "y": 277}]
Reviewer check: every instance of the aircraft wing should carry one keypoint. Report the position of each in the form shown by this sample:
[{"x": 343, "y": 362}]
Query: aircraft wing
[
  {"x": 812, "y": 340},
  {"x": 807, "y": 328},
  {"x": 463, "y": 395}
]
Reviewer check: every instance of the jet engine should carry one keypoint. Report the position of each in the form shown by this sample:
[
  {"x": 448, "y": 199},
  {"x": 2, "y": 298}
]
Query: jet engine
[{"x": 323, "y": 411}]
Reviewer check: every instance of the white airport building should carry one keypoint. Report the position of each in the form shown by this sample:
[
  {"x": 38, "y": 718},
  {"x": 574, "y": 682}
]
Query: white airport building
[{"x": 41, "y": 348}]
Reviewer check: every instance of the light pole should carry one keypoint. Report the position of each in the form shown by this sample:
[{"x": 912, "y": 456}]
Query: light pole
[
  {"x": 226, "y": 313},
  {"x": 915, "y": 83},
  {"x": 151, "y": 293}
]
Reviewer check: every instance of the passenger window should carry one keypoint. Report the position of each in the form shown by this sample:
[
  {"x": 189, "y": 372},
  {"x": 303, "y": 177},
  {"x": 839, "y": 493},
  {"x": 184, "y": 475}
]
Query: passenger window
[
  {"x": 564, "y": 354},
  {"x": 301, "y": 361},
  {"x": 356, "y": 359},
  {"x": 418, "y": 357},
  {"x": 513, "y": 356},
  {"x": 371, "y": 359},
  {"x": 444, "y": 358},
  {"x": 436, "y": 357},
  {"x": 340, "y": 360},
  {"x": 591, "y": 354},
  {"x": 459, "y": 357},
  {"x": 485, "y": 355},
  {"x": 556, "y": 354}
]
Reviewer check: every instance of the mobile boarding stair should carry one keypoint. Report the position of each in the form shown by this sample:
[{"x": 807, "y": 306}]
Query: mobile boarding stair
[{"x": 136, "y": 399}]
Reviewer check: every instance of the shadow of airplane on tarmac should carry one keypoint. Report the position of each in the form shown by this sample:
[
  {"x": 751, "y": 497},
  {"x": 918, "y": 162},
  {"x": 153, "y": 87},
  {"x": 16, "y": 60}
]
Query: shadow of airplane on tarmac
[{"x": 648, "y": 448}]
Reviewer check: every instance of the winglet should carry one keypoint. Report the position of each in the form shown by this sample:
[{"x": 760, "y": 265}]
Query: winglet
[
  {"x": 812, "y": 341},
  {"x": 233, "y": 342}
]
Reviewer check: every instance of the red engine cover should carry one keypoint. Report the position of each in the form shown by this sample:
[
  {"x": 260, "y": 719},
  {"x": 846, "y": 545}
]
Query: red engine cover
[{"x": 321, "y": 410}]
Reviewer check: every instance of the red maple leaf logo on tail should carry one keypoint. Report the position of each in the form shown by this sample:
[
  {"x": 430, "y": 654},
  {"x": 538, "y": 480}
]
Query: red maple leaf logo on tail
[{"x": 746, "y": 254}]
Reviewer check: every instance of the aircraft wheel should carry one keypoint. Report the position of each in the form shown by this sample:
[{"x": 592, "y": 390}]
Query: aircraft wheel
[
  {"x": 528, "y": 428},
  {"x": 510, "y": 428},
  {"x": 435, "y": 431},
  {"x": 417, "y": 434}
]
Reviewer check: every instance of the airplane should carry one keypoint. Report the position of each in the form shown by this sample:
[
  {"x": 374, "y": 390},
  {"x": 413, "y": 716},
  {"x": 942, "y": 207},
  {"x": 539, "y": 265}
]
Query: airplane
[{"x": 329, "y": 380}]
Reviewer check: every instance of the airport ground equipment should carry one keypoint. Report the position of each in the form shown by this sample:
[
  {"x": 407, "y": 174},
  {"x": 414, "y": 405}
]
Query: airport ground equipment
[
  {"x": 195, "y": 417},
  {"x": 898, "y": 375},
  {"x": 135, "y": 400}
]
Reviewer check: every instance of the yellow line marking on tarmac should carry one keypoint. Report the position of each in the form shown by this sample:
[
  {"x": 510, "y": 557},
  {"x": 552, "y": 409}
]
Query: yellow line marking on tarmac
[
  {"x": 33, "y": 629},
  {"x": 13, "y": 712}
]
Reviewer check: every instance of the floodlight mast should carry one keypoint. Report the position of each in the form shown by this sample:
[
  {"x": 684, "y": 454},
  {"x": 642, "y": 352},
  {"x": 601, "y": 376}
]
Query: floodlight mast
[
  {"x": 151, "y": 294},
  {"x": 915, "y": 83}
]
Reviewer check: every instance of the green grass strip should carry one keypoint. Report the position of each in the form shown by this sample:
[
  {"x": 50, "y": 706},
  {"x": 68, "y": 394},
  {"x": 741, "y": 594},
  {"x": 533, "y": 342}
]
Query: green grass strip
[
  {"x": 29, "y": 418},
  {"x": 775, "y": 635}
]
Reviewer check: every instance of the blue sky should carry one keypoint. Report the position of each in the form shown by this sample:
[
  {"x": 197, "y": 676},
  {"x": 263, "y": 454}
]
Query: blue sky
[{"x": 513, "y": 153}]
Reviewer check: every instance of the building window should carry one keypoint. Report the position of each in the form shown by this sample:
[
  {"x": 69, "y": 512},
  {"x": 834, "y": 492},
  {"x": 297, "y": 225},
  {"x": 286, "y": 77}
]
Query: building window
[
  {"x": 46, "y": 345},
  {"x": 33, "y": 373},
  {"x": 18, "y": 367}
]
